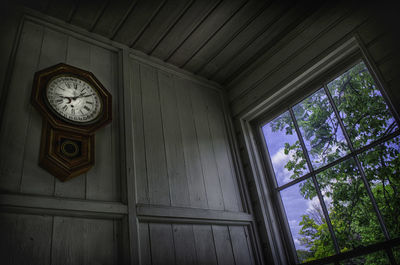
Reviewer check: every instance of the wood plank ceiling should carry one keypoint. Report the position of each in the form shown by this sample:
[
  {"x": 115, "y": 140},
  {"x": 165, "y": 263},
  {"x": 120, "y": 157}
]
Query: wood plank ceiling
[{"x": 216, "y": 39}]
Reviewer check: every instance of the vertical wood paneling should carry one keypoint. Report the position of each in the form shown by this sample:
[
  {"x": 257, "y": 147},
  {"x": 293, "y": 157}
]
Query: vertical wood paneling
[
  {"x": 205, "y": 247},
  {"x": 154, "y": 139},
  {"x": 241, "y": 250},
  {"x": 223, "y": 245},
  {"x": 227, "y": 175},
  {"x": 185, "y": 249},
  {"x": 206, "y": 148},
  {"x": 144, "y": 241},
  {"x": 25, "y": 239},
  {"x": 13, "y": 130},
  {"x": 103, "y": 180},
  {"x": 138, "y": 134},
  {"x": 162, "y": 244},
  {"x": 78, "y": 55},
  {"x": 83, "y": 241},
  {"x": 35, "y": 179},
  {"x": 173, "y": 141},
  {"x": 190, "y": 146}
]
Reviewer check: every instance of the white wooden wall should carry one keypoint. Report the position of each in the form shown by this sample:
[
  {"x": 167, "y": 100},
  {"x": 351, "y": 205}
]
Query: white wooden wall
[
  {"x": 165, "y": 188},
  {"x": 190, "y": 207}
]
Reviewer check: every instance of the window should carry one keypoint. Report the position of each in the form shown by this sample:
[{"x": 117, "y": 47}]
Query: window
[{"x": 334, "y": 168}]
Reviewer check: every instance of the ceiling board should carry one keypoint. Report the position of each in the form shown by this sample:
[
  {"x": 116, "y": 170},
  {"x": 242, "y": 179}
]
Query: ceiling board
[
  {"x": 182, "y": 29},
  {"x": 61, "y": 9},
  {"x": 161, "y": 24},
  {"x": 138, "y": 20},
  {"x": 112, "y": 17},
  {"x": 215, "y": 39},
  {"x": 285, "y": 23},
  {"x": 227, "y": 34},
  {"x": 88, "y": 12},
  {"x": 221, "y": 15}
]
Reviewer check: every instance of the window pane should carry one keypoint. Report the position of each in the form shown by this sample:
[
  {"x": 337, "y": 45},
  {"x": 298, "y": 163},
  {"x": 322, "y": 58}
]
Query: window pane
[
  {"x": 376, "y": 258},
  {"x": 284, "y": 149},
  {"x": 382, "y": 169},
  {"x": 307, "y": 223},
  {"x": 350, "y": 209},
  {"x": 361, "y": 106},
  {"x": 320, "y": 129}
]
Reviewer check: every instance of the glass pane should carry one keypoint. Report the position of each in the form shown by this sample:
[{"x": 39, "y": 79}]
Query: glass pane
[
  {"x": 382, "y": 169},
  {"x": 320, "y": 129},
  {"x": 350, "y": 209},
  {"x": 284, "y": 149},
  {"x": 361, "y": 106},
  {"x": 376, "y": 258},
  {"x": 307, "y": 223}
]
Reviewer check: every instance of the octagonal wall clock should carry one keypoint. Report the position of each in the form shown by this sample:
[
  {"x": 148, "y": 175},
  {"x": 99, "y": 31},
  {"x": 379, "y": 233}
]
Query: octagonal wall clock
[{"x": 74, "y": 104}]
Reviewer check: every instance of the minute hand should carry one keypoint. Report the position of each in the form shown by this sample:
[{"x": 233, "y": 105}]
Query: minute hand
[{"x": 85, "y": 96}]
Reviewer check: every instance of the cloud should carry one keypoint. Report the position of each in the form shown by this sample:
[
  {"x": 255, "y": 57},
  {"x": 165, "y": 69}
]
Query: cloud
[{"x": 279, "y": 160}]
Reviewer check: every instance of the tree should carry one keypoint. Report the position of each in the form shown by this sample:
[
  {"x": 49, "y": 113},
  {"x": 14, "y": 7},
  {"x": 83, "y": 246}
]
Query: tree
[{"x": 366, "y": 118}]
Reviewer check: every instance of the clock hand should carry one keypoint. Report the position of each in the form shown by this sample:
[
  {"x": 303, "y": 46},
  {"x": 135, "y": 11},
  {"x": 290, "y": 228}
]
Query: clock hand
[{"x": 84, "y": 96}]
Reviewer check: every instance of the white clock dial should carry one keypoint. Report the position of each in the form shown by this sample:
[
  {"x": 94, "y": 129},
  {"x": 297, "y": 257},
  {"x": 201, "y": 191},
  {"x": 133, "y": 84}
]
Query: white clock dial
[{"x": 73, "y": 98}]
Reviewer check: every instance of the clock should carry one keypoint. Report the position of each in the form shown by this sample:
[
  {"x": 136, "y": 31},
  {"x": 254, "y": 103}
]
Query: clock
[
  {"x": 74, "y": 105},
  {"x": 73, "y": 99}
]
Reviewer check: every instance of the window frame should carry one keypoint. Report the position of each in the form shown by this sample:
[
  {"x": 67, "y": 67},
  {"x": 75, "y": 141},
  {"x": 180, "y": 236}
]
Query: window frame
[{"x": 346, "y": 54}]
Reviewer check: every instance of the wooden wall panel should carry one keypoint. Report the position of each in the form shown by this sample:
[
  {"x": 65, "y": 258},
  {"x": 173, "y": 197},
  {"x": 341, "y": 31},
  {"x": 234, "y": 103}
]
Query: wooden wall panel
[
  {"x": 13, "y": 129},
  {"x": 83, "y": 241},
  {"x": 173, "y": 141},
  {"x": 25, "y": 239},
  {"x": 162, "y": 244},
  {"x": 41, "y": 47},
  {"x": 158, "y": 183},
  {"x": 182, "y": 152},
  {"x": 197, "y": 192},
  {"x": 199, "y": 244}
]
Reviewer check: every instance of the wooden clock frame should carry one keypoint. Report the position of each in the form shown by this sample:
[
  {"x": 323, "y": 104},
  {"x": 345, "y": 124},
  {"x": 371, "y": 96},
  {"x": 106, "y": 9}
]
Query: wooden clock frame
[{"x": 67, "y": 148}]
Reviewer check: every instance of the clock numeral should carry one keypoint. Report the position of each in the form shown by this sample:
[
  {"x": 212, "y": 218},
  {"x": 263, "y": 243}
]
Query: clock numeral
[
  {"x": 59, "y": 101},
  {"x": 86, "y": 108},
  {"x": 75, "y": 86},
  {"x": 68, "y": 85},
  {"x": 73, "y": 111},
  {"x": 91, "y": 103},
  {"x": 65, "y": 108},
  {"x": 81, "y": 112}
]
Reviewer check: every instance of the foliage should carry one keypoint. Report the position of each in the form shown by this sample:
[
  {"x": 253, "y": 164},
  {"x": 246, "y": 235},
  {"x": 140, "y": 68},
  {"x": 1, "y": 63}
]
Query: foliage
[{"x": 366, "y": 118}]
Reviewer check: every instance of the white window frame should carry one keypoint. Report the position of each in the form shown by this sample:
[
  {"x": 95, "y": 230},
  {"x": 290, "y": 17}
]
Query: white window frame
[{"x": 335, "y": 59}]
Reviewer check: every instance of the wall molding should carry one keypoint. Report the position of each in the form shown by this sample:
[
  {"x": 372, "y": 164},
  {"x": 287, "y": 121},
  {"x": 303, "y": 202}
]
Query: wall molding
[
  {"x": 168, "y": 214},
  {"x": 62, "y": 206}
]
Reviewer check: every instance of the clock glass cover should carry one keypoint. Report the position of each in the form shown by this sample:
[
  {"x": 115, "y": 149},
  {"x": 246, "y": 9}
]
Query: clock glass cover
[{"x": 73, "y": 98}]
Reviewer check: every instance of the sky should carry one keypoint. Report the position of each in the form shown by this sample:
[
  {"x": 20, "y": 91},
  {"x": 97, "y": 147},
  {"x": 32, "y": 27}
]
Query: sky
[{"x": 295, "y": 205}]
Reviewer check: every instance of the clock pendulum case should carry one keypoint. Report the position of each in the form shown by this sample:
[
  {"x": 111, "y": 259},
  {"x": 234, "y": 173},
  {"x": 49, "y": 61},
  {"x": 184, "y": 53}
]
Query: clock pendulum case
[{"x": 74, "y": 104}]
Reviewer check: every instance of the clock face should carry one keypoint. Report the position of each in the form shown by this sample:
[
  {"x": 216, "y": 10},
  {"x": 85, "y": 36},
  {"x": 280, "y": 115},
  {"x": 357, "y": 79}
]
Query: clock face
[{"x": 73, "y": 99}]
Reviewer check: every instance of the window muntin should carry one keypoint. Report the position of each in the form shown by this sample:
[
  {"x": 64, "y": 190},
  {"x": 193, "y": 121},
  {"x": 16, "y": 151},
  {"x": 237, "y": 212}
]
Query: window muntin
[{"x": 331, "y": 114}]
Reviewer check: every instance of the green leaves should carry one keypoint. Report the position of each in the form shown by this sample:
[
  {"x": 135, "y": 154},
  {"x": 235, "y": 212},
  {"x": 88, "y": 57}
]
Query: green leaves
[{"x": 366, "y": 118}]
